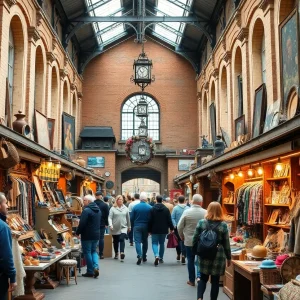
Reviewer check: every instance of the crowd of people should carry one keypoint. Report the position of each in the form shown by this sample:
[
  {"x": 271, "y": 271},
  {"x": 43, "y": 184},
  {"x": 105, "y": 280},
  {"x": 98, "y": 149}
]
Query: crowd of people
[{"x": 136, "y": 219}]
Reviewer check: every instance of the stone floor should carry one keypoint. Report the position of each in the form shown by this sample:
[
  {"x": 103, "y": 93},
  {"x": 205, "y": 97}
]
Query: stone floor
[{"x": 127, "y": 281}]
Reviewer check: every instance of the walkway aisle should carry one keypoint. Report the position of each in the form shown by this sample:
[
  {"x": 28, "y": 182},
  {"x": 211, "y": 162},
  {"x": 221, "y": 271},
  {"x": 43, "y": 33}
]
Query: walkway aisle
[{"x": 127, "y": 281}]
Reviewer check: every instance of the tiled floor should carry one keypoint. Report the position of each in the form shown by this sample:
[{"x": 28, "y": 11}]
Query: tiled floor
[{"x": 127, "y": 281}]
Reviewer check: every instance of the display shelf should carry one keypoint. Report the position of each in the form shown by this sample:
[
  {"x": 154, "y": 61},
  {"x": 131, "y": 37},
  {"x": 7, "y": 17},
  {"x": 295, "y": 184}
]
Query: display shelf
[
  {"x": 278, "y": 178},
  {"x": 278, "y": 225},
  {"x": 278, "y": 205},
  {"x": 27, "y": 235}
]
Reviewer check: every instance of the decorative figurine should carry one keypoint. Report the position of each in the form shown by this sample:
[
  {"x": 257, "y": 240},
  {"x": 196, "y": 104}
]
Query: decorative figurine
[
  {"x": 219, "y": 146},
  {"x": 205, "y": 143}
]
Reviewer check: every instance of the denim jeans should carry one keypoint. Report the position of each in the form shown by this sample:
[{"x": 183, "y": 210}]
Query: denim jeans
[
  {"x": 101, "y": 240},
  {"x": 130, "y": 234},
  {"x": 141, "y": 237},
  {"x": 90, "y": 254},
  {"x": 180, "y": 249},
  {"x": 214, "y": 292},
  {"x": 158, "y": 239},
  {"x": 191, "y": 264},
  {"x": 119, "y": 239}
]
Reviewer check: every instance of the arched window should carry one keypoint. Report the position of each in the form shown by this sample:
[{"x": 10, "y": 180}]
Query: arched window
[
  {"x": 130, "y": 122},
  {"x": 11, "y": 59}
]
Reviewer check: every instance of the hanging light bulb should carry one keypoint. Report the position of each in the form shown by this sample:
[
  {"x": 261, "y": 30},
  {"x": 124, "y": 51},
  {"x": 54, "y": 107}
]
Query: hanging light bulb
[
  {"x": 49, "y": 162},
  {"x": 58, "y": 165},
  {"x": 231, "y": 176},
  {"x": 279, "y": 166},
  {"x": 251, "y": 172},
  {"x": 240, "y": 173},
  {"x": 260, "y": 170}
]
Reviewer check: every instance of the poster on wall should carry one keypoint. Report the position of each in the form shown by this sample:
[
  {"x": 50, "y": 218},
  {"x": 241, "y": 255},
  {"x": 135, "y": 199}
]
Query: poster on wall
[
  {"x": 175, "y": 193},
  {"x": 184, "y": 164},
  {"x": 289, "y": 56},
  {"x": 68, "y": 134},
  {"x": 96, "y": 162},
  {"x": 41, "y": 124}
]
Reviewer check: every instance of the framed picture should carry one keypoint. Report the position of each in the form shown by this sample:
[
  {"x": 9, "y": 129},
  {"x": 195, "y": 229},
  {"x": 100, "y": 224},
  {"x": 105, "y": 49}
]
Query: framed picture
[
  {"x": 289, "y": 48},
  {"x": 272, "y": 116},
  {"x": 259, "y": 111},
  {"x": 68, "y": 134},
  {"x": 60, "y": 197},
  {"x": 96, "y": 162},
  {"x": 41, "y": 124},
  {"x": 51, "y": 127},
  {"x": 226, "y": 137},
  {"x": 184, "y": 164},
  {"x": 212, "y": 112},
  {"x": 239, "y": 125}
]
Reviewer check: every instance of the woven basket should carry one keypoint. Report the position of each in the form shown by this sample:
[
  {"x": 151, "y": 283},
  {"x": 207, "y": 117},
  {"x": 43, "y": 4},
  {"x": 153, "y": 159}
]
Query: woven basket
[
  {"x": 269, "y": 276},
  {"x": 12, "y": 158}
]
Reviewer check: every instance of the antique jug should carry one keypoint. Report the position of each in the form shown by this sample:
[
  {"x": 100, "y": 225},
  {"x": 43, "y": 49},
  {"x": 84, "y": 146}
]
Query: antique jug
[{"x": 20, "y": 125}]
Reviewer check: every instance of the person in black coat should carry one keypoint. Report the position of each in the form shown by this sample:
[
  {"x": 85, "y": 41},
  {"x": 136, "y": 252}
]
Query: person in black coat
[
  {"x": 104, "y": 220},
  {"x": 158, "y": 226},
  {"x": 89, "y": 229}
]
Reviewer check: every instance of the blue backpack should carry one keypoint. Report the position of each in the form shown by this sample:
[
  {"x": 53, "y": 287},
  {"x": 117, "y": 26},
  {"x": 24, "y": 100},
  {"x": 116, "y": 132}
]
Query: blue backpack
[{"x": 207, "y": 246}]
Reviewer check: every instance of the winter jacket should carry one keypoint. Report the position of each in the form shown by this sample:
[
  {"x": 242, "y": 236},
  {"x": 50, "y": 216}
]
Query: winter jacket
[
  {"x": 160, "y": 220},
  {"x": 294, "y": 239},
  {"x": 90, "y": 222},
  {"x": 119, "y": 220},
  {"x": 140, "y": 214},
  {"x": 104, "y": 211},
  {"x": 7, "y": 268},
  {"x": 177, "y": 213}
]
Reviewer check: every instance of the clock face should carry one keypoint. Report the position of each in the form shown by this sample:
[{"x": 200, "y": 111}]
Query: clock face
[
  {"x": 141, "y": 109},
  {"x": 142, "y": 72},
  {"x": 107, "y": 174},
  {"x": 142, "y": 151},
  {"x": 143, "y": 131}
]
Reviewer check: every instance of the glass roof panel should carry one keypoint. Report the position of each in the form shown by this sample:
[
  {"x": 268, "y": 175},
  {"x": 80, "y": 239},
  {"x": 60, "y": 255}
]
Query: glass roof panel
[
  {"x": 106, "y": 30},
  {"x": 172, "y": 8}
]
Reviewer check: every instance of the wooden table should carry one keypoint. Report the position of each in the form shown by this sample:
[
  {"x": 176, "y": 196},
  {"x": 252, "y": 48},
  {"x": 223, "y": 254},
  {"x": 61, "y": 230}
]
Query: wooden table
[
  {"x": 30, "y": 291},
  {"x": 246, "y": 280}
]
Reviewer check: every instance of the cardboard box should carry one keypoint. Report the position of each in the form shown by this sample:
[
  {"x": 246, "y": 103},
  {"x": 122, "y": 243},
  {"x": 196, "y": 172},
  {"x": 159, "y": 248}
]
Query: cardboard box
[{"x": 107, "y": 251}]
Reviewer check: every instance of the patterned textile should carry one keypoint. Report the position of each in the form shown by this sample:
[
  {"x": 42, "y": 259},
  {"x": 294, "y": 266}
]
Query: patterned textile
[
  {"x": 290, "y": 291},
  {"x": 216, "y": 266}
]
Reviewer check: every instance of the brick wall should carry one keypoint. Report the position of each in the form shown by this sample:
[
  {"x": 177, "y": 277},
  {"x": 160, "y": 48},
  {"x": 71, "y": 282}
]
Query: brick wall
[{"x": 107, "y": 84}]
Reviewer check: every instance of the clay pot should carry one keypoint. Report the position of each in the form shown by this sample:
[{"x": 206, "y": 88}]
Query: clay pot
[
  {"x": 259, "y": 251},
  {"x": 20, "y": 125}
]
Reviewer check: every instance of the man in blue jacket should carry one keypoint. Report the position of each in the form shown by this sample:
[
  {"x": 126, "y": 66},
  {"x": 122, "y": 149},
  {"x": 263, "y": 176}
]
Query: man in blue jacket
[
  {"x": 89, "y": 229},
  {"x": 7, "y": 268},
  {"x": 139, "y": 218}
]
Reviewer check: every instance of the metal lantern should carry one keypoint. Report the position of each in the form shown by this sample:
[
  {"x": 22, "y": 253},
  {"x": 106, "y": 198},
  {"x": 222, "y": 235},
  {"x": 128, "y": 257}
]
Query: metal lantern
[
  {"x": 143, "y": 132},
  {"x": 142, "y": 108},
  {"x": 142, "y": 71},
  {"x": 142, "y": 150}
]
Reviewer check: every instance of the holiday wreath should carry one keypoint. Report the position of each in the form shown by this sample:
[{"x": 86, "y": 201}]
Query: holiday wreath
[{"x": 139, "y": 140}]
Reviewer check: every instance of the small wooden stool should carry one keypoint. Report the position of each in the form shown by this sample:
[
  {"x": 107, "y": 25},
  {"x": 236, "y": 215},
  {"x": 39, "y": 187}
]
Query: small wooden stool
[{"x": 65, "y": 267}]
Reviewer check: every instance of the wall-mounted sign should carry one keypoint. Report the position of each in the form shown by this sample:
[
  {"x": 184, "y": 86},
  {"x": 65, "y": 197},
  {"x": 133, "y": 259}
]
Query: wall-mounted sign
[
  {"x": 96, "y": 162},
  {"x": 49, "y": 173}
]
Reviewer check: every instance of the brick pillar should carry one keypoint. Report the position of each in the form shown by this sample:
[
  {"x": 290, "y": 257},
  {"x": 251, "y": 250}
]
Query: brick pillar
[
  {"x": 199, "y": 118},
  {"x": 230, "y": 127}
]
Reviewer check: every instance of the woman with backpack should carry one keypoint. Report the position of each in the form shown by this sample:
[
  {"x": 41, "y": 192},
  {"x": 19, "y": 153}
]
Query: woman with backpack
[{"x": 211, "y": 239}]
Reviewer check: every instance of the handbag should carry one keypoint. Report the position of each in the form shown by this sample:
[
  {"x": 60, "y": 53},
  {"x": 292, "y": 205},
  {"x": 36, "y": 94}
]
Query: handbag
[
  {"x": 9, "y": 156},
  {"x": 172, "y": 241}
]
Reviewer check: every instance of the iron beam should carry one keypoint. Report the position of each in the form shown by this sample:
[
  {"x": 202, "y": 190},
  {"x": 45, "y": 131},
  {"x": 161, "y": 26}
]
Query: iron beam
[{"x": 152, "y": 19}]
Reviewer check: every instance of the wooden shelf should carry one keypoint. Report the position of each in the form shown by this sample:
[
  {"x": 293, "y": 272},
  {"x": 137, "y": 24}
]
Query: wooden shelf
[
  {"x": 27, "y": 235},
  {"x": 229, "y": 203},
  {"x": 277, "y": 178},
  {"x": 278, "y": 225},
  {"x": 254, "y": 179},
  {"x": 279, "y": 205}
]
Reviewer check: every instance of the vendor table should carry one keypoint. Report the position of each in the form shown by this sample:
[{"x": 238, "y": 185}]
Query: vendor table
[
  {"x": 246, "y": 280},
  {"x": 30, "y": 292}
]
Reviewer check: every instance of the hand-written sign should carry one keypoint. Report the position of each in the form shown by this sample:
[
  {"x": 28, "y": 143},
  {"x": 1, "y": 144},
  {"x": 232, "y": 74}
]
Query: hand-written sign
[{"x": 49, "y": 173}]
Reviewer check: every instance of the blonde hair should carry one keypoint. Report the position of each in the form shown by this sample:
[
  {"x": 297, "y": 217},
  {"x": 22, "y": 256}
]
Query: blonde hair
[
  {"x": 117, "y": 198},
  {"x": 214, "y": 212}
]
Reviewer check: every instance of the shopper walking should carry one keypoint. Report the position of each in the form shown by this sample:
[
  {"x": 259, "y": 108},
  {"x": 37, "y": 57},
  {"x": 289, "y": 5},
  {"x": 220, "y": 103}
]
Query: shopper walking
[
  {"x": 132, "y": 204},
  {"x": 159, "y": 224},
  {"x": 89, "y": 229},
  {"x": 216, "y": 267},
  {"x": 104, "y": 220},
  {"x": 176, "y": 215},
  {"x": 119, "y": 225},
  {"x": 7, "y": 268},
  {"x": 139, "y": 222},
  {"x": 168, "y": 204},
  {"x": 186, "y": 229}
]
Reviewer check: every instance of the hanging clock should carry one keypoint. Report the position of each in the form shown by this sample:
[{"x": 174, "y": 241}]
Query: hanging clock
[
  {"x": 290, "y": 268},
  {"x": 109, "y": 184}
]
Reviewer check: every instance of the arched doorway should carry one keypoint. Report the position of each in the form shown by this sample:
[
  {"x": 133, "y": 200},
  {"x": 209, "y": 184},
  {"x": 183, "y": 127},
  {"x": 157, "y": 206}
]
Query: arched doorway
[{"x": 136, "y": 180}]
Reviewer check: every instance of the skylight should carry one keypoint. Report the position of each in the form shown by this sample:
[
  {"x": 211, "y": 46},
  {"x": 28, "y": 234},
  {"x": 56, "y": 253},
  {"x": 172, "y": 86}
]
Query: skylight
[
  {"x": 171, "y": 32},
  {"x": 106, "y": 31}
]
